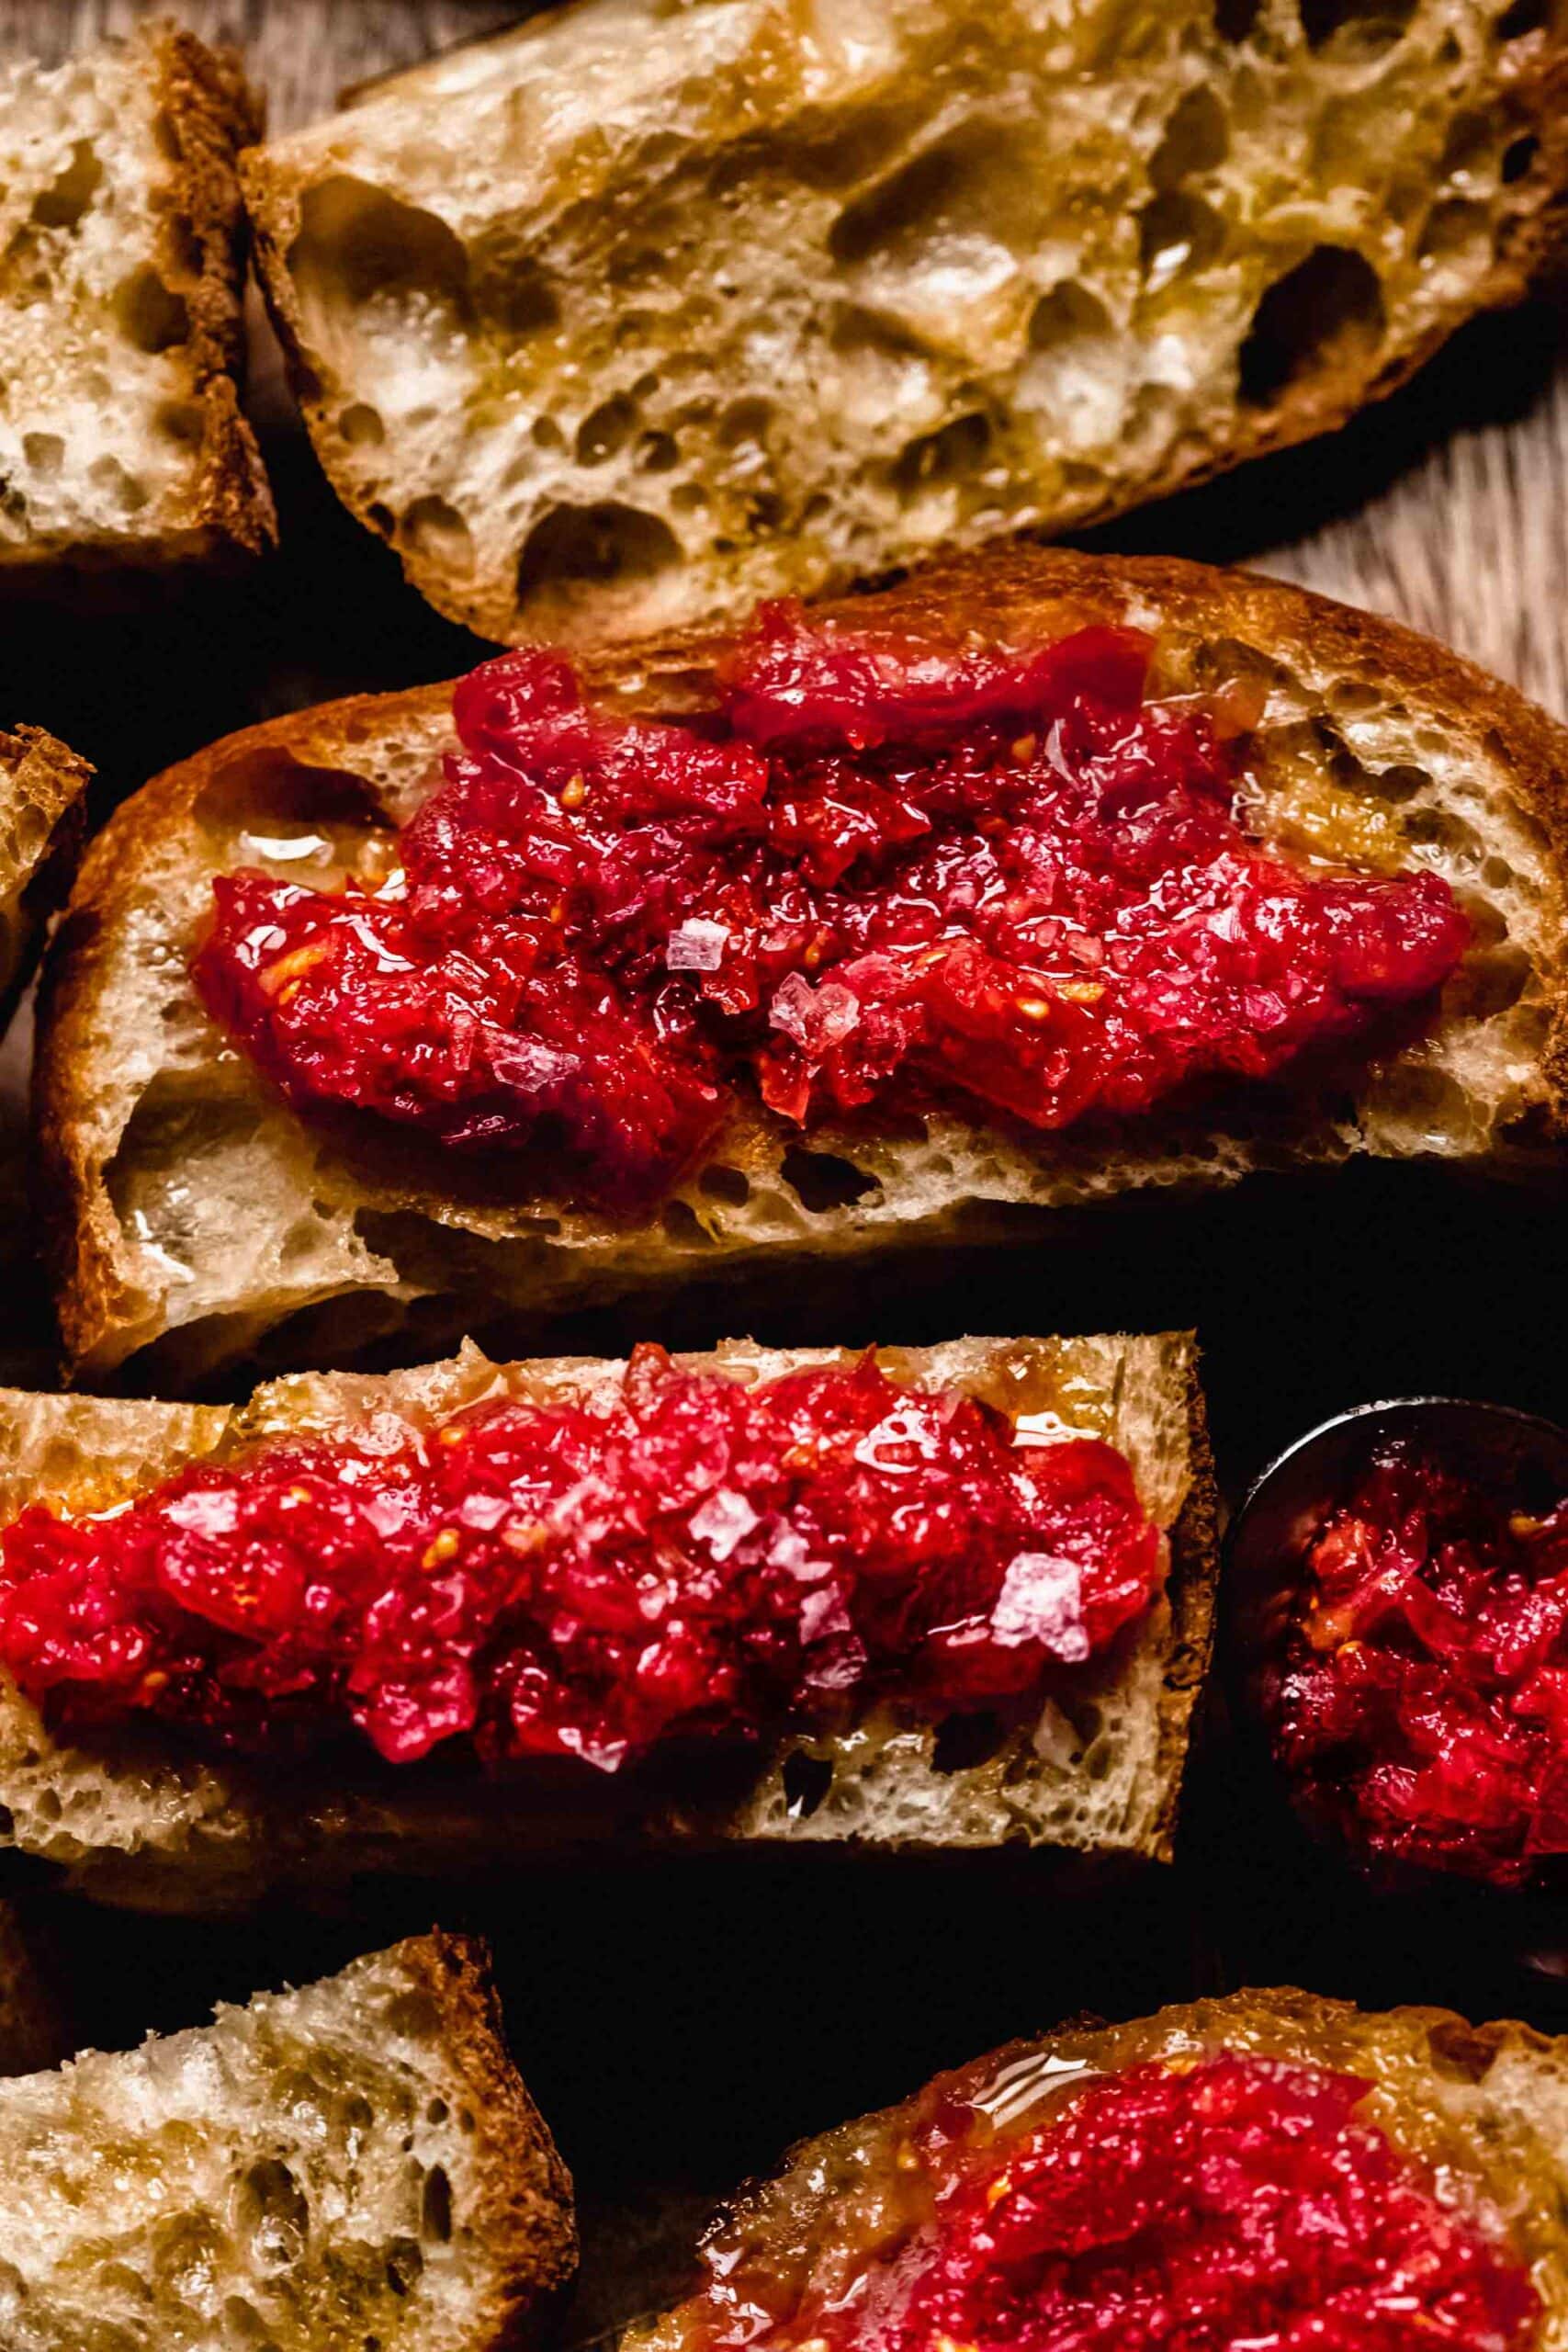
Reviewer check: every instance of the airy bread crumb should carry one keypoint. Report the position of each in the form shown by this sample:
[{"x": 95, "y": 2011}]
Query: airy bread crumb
[
  {"x": 354, "y": 2163},
  {"x": 121, "y": 263},
  {"x": 633, "y": 315}
]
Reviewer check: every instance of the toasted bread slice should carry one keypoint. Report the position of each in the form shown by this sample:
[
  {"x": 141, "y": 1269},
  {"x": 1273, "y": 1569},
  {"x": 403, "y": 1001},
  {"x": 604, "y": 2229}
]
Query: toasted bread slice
[
  {"x": 42, "y": 825},
  {"x": 1483, "y": 2107},
  {"x": 632, "y": 315},
  {"x": 1098, "y": 1772},
  {"x": 121, "y": 439},
  {"x": 197, "y": 1218},
  {"x": 353, "y": 2163}
]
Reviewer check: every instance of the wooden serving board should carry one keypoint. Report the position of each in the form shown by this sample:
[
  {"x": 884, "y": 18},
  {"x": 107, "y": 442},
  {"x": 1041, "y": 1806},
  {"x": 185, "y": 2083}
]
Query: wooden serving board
[{"x": 678, "y": 2025}]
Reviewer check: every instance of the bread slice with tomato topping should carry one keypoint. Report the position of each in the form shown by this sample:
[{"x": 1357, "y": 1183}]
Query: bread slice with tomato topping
[
  {"x": 210, "y": 1199},
  {"x": 1083, "y": 1753},
  {"x": 348, "y": 2162},
  {"x": 1266, "y": 2168}
]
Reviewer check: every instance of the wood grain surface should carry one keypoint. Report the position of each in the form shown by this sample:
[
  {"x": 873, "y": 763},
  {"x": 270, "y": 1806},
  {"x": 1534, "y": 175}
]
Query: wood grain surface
[{"x": 1447, "y": 507}]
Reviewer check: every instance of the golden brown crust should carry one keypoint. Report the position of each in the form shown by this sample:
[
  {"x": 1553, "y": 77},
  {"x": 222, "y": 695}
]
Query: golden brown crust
[
  {"x": 212, "y": 112},
  {"x": 1015, "y": 594},
  {"x": 44, "y": 783},
  {"x": 522, "y": 2216}
]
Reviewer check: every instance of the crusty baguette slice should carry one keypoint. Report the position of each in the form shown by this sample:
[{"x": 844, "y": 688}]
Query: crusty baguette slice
[
  {"x": 635, "y": 313},
  {"x": 190, "y": 1209},
  {"x": 42, "y": 824},
  {"x": 1486, "y": 2106},
  {"x": 353, "y": 2164},
  {"x": 1098, "y": 1772},
  {"x": 122, "y": 231}
]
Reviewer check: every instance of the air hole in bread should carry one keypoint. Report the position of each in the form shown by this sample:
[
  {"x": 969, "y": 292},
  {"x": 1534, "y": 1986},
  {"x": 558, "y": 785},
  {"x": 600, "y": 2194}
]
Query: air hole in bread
[
  {"x": 358, "y": 245},
  {"x": 513, "y": 293},
  {"x": 183, "y": 248},
  {"x": 657, "y": 453},
  {"x": 951, "y": 454},
  {"x": 1518, "y": 159},
  {"x": 1197, "y": 138},
  {"x": 964, "y": 1741},
  {"x": 128, "y": 492},
  {"x": 151, "y": 314},
  {"x": 404, "y": 2264},
  {"x": 572, "y": 547},
  {"x": 858, "y": 333},
  {"x": 271, "y": 2211},
  {"x": 976, "y": 187},
  {"x": 1377, "y": 23},
  {"x": 167, "y": 137},
  {"x": 181, "y": 421},
  {"x": 1487, "y": 984},
  {"x": 1178, "y": 233},
  {"x": 433, "y": 528},
  {"x": 1068, "y": 312},
  {"x": 66, "y": 198},
  {"x": 744, "y": 424},
  {"x": 1325, "y": 312},
  {"x": 44, "y": 452},
  {"x": 722, "y": 1183},
  {"x": 1523, "y": 16},
  {"x": 806, "y": 1779},
  {"x": 1399, "y": 783},
  {"x": 1446, "y": 830},
  {"x": 412, "y": 2016},
  {"x": 1470, "y": 146},
  {"x": 258, "y": 791},
  {"x": 435, "y": 2201},
  {"x": 683, "y": 1225},
  {"x": 605, "y": 432},
  {"x": 1434, "y": 1110},
  {"x": 380, "y": 518},
  {"x": 361, "y": 427},
  {"x": 1237, "y": 20},
  {"x": 822, "y": 1181}
]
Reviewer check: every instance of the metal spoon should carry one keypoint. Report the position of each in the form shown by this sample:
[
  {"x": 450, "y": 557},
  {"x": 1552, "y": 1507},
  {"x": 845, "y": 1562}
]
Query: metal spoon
[{"x": 1288, "y": 1502}]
